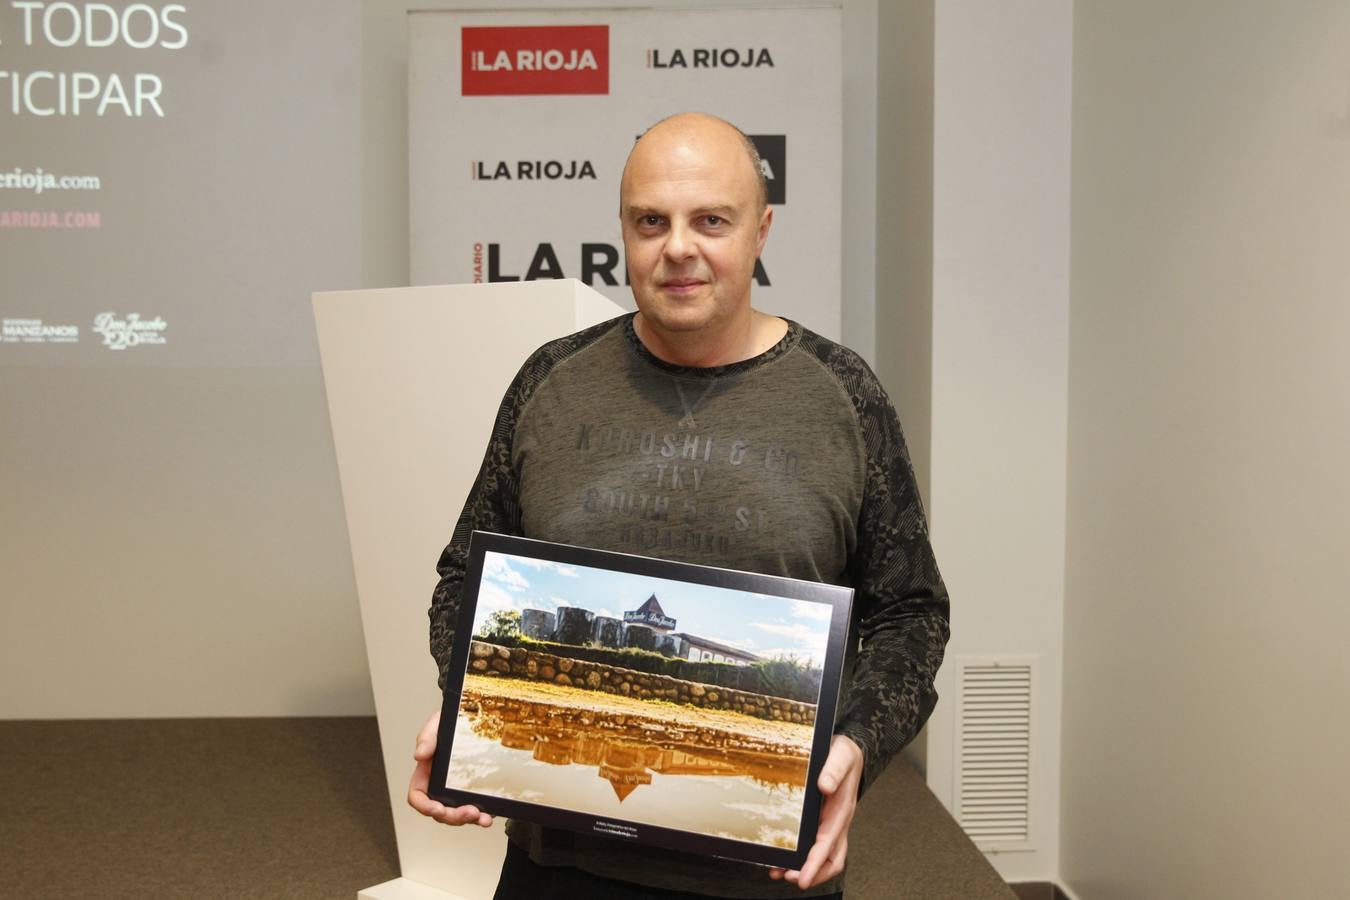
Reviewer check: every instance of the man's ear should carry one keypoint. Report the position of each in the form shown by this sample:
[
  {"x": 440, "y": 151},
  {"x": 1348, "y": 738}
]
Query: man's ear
[{"x": 765, "y": 221}]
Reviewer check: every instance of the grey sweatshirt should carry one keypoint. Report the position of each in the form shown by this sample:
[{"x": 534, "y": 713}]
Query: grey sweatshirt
[{"x": 790, "y": 463}]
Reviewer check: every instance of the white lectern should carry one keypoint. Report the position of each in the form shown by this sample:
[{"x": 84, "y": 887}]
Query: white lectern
[{"x": 414, "y": 377}]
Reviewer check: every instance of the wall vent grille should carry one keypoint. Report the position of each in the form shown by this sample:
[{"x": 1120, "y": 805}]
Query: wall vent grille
[{"x": 993, "y": 751}]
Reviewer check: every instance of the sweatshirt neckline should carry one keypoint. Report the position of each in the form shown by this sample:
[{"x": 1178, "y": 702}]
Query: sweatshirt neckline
[{"x": 785, "y": 343}]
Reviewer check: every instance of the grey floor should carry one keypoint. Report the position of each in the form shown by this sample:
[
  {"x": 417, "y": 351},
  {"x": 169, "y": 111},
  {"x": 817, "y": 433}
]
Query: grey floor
[
  {"x": 193, "y": 808},
  {"x": 298, "y": 808}
]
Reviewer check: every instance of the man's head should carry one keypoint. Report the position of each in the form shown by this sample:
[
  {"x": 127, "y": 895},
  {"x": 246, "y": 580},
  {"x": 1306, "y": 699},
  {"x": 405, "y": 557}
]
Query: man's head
[{"x": 693, "y": 208}]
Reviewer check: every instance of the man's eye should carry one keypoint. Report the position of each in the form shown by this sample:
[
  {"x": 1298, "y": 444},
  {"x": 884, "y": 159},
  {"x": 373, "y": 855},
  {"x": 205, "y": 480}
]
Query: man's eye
[
  {"x": 650, "y": 221},
  {"x": 715, "y": 221}
]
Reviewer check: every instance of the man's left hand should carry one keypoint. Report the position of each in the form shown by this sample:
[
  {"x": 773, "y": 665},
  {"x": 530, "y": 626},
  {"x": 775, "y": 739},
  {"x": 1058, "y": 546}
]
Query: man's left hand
[{"x": 838, "y": 782}]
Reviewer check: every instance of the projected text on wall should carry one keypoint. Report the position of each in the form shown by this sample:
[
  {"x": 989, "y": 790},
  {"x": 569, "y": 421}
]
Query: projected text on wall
[{"x": 43, "y": 93}]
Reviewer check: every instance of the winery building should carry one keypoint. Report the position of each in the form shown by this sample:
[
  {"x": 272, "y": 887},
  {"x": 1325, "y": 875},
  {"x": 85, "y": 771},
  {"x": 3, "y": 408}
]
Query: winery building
[{"x": 647, "y": 627}]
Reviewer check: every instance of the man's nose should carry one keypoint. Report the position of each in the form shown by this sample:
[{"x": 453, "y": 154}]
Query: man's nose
[{"x": 680, "y": 243}]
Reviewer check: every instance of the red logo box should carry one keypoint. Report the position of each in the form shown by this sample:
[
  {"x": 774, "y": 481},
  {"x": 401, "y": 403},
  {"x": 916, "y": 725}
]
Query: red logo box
[{"x": 534, "y": 59}]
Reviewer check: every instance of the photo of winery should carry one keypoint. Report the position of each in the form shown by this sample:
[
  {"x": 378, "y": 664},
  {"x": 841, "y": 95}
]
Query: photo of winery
[{"x": 628, "y": 696}]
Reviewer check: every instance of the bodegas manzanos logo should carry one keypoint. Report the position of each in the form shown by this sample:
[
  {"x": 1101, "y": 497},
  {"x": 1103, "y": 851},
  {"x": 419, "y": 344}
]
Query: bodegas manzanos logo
[{"x": 36, "y": 331}]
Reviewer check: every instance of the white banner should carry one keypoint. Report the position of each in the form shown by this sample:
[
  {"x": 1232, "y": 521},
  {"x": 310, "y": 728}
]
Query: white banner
[{"x": 520, "y": 122}]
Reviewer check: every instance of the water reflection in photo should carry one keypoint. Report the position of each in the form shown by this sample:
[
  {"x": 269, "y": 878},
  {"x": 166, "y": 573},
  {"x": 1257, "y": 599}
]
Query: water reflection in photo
[{"x": 644, "y": 769}]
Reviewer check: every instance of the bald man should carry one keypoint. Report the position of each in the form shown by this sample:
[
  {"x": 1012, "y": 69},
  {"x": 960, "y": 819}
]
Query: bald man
[{"x": 802, "y": 472}]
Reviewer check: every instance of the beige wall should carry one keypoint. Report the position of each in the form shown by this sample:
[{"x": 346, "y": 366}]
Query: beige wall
[
  {"x": 904, "y": 308},
  {"x": 1001, "y": 138},
  {"x": 174, "y": 546},
  {"x": 1206, "y": 678},
  {"x": 904, "y": 233}
]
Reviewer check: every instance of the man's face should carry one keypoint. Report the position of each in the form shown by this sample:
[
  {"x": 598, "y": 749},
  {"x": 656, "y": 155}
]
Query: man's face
[{"x": 692, "y": 226}]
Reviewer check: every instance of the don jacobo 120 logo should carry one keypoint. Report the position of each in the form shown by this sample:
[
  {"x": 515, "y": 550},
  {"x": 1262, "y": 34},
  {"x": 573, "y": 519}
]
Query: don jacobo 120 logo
[
  {"x": 534, "y": 59},
  {"x": 131, "y": 330}
]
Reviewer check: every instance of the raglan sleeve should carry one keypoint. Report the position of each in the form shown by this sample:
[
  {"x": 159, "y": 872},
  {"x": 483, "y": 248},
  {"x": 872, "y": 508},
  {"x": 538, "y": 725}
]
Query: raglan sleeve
[
  {"x": 902, "y": 608},
  {"x": 493, "y": 504}
]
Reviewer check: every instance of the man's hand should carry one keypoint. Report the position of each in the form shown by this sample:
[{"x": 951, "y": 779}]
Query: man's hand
[
  {"x": 838, "y": 781},
  {"x": 421, "y": 776}
]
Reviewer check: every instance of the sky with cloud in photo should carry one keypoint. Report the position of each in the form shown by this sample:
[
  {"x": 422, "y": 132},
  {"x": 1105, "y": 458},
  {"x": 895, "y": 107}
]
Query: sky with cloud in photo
[{"x": 764, "y": 625}]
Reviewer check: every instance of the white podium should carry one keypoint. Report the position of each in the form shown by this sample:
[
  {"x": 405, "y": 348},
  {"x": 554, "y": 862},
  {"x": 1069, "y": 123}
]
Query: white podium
[{"x": 414, "y": 377}]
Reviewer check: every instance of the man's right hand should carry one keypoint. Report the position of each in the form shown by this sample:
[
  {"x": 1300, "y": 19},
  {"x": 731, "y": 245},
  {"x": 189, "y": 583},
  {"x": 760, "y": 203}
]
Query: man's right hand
[{"x": 421, "y": 777}]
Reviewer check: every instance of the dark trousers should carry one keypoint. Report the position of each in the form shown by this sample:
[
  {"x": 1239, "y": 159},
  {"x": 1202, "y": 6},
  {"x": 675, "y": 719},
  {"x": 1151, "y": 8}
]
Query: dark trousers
[{"x": 521, "y": 879}]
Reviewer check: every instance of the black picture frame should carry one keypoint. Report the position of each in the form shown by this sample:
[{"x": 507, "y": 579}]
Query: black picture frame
[{"x": 724, "y": 742}]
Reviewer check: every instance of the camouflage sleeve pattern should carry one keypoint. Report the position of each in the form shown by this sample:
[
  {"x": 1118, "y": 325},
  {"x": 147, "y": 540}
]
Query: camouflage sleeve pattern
[
  {"x": 901, "y": 604},
  {"x": 494, "y": 501}
]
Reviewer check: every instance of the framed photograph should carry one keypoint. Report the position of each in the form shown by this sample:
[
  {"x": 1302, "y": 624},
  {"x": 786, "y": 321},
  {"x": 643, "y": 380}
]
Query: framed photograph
[{"x": 677, "y": 705}]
